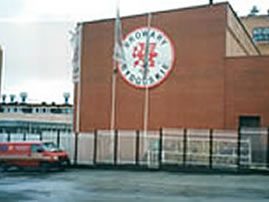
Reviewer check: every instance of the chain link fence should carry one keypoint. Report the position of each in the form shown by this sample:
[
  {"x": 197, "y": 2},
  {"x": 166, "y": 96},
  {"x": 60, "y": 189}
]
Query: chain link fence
[{"x": 242, "y": 149}]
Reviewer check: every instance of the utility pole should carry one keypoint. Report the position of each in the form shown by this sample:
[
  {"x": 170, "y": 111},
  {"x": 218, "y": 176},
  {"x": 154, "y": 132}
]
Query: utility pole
[
  {"x": 146, "y": 101},
  {"x": 210, "y": 2}
]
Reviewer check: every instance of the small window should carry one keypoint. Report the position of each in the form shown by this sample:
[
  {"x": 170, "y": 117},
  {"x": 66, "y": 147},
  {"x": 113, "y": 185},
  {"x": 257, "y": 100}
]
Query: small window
[
  {"x": 27, "y": 110},
  {"x": 250, "y": 121},
  {"x": 56, "y": 110},
  {"x": 36, "y": 110},
  {"x": 36, "y": 148},
  {"x": 260, "y": 34},
  {"x": 44, "y": 110}
]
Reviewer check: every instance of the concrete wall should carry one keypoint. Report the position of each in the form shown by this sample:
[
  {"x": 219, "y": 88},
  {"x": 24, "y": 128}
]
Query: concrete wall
[{"x": 47, "y": 118}]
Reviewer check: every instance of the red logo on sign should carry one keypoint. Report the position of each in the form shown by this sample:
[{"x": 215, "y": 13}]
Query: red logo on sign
[{"x": 139, "y": 53}]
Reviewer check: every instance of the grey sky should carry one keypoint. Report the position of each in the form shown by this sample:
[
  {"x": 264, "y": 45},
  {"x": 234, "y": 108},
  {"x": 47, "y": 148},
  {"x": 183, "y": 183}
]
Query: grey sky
[
  {"x": 34, "y": 35},
  {"x": 36, "y": 59}
]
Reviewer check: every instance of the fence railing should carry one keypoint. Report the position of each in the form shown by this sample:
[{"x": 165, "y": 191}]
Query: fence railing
[{"x": 245, "y": 148}]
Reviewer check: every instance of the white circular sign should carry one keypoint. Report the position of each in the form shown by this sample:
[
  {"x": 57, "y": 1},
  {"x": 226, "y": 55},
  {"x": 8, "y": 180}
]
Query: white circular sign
[{"x": 159, "y": 53}]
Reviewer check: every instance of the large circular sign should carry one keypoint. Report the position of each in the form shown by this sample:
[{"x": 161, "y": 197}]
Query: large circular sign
[{"x": 147, "y": 61}]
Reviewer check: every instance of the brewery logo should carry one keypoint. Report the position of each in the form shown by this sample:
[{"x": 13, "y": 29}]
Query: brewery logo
[{"x": 158, "y": 54}]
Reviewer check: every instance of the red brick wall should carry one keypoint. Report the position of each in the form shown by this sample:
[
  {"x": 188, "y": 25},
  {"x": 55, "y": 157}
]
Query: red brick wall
[
  {"x": 247, "y": 89},
  {"x": 192, "y": 95},
  {"x": 202, "y": 89}
]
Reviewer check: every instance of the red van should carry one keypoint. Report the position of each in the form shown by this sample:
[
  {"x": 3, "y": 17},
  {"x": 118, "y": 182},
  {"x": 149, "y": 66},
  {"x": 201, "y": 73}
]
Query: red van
[{"x": 42, "y": 155}]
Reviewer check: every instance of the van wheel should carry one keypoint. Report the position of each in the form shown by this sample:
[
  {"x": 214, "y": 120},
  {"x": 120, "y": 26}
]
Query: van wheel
[
  {"x": 61, "y": 168},
  {"x": 44, "y": 167},
  {"x": 3, "y": 168},
  {"x": 63, "y": 165},
  {"x": 21, "y": 169}
]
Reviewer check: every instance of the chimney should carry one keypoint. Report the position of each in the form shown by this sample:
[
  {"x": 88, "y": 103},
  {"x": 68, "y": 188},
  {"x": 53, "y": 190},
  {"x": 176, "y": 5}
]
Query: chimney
[
  {"x": 66, "y": 97},
  {"x": 23, "y": 96},
  {"x": 12, "y": 98},
  {"x": 254, "y": 11},
  {"x": 4, "y": 98}
]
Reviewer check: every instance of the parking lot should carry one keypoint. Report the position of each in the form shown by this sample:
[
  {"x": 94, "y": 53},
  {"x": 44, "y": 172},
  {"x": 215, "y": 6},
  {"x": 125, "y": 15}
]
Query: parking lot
[{"x": 101, "y": 185}]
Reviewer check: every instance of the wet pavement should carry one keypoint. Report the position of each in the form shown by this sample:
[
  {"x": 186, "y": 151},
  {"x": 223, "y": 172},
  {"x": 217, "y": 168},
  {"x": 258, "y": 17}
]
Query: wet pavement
[{"x": 99, "y": 185}]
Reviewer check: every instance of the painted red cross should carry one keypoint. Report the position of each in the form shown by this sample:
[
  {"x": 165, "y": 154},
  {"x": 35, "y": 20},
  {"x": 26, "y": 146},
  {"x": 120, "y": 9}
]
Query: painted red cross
[{"x": 139, "y": 54}]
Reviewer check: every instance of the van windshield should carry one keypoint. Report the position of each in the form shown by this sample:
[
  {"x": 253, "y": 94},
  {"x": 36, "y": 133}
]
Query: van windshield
[{"x": 51, "y": 147}]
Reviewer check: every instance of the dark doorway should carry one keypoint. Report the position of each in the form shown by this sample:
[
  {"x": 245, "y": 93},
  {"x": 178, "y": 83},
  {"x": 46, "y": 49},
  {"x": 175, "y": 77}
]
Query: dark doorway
[
  {"x": 250, "y": 131},
  {"x": 250, "y": 121}
]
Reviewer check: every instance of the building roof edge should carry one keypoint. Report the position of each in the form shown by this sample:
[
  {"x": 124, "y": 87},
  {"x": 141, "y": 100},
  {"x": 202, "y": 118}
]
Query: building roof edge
[{"x": 157, "y": 12}]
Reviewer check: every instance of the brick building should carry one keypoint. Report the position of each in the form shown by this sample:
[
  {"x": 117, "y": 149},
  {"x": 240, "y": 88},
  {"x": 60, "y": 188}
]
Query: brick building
[
  {"x": 218, "y": 75},
  {"x": 20, "y": 115},
  {"x": 258, "y": 27}
]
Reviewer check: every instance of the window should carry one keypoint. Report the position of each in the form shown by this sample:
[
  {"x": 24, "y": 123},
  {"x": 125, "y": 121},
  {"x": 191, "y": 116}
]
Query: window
[
  {"x": 250, "y": 121},
  {"x": 260, "y": 34},
  {"x": 36, "y": 148},
  {"x": 56, "y": 110},
  {"x": 27, "y": 110}
]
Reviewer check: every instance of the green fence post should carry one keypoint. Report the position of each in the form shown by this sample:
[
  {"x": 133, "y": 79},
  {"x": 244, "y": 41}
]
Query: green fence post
[
  {"x": 267, "y": 164},
  {"x": 160, "y": 148},
  {"x": 95, "y": 147},
  {"x": 115, "y": 147},
  {"x": 238, "y": 148},
  {"x": 76, "y": 148},
  {"x": 184, "y": 146},
  {"x": 210, "y": 148},
  {"x": 137, "y": 147}
]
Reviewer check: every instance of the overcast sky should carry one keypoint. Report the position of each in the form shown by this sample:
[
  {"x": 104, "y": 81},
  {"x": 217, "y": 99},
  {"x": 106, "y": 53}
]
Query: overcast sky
[{"x": 35, "y": 39}]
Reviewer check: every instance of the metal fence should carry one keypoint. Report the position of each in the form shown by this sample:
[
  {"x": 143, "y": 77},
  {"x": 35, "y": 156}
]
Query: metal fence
[{"x": 242, "y": 149}]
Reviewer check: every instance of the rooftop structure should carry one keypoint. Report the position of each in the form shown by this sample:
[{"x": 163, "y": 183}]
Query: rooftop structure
[
  {"x": 42, "y": 116},
  {"x": 258, "y": 28}
]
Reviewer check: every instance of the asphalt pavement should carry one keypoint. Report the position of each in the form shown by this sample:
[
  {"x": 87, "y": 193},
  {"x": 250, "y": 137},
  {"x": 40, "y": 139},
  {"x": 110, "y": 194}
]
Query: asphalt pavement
[{"x": 101, "y": 185}]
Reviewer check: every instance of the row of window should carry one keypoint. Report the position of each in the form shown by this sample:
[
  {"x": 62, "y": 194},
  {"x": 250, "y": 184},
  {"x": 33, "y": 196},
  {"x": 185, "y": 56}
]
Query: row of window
[
  {"x": 261, "y": 34},
  {"x": 36, "y": 110}
]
